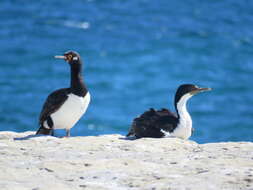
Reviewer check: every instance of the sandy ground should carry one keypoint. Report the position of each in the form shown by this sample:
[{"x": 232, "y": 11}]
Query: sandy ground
[{"x": 113, "y": 162}]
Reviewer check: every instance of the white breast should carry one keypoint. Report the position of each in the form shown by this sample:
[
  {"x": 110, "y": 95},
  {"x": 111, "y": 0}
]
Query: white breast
[
  {"x": 184, "y": 127},
  {"x": 71, "y": 111}
]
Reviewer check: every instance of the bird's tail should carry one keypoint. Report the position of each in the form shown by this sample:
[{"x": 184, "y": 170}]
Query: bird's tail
[
  {"x": 44, "y": 131},
  {"x": 131, "y": 131}
]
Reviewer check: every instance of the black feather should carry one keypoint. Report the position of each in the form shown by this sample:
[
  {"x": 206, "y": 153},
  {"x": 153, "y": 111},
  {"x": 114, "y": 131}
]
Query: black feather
[
  {"x": 151, "y": 122},
  {"x": 53, "y": 102}
]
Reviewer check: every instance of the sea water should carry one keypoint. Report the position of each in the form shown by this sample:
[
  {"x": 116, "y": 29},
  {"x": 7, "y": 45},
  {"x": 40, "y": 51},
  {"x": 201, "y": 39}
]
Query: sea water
[{"x": 136, "y": 54}]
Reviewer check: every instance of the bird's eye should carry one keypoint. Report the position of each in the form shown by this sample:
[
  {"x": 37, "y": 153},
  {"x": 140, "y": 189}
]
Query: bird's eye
[{"x": 70, "y": 57}]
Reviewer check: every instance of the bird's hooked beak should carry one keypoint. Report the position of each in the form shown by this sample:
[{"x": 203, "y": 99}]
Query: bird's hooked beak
[
  {"x": 204, "y": 89},
  {"x": 60, "y": 57},
  {"x": 198, "y": 90}
]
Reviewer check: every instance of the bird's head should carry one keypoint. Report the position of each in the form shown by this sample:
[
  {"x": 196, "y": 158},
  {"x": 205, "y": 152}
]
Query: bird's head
[
  {"x": 71, "y": 57},
  {"x": 186, "y": 91}
]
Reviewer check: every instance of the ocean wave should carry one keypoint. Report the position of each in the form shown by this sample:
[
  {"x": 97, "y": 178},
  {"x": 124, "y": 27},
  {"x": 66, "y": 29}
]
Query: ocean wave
[{"x": 76, "y": 24}]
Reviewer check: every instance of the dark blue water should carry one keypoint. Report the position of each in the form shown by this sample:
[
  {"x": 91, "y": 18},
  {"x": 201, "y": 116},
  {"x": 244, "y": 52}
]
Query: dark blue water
[{"x": 136, "y": 54}]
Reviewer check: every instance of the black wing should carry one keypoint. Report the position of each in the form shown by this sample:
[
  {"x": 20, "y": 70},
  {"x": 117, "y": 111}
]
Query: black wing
[
  {"x": 151, "y": 122},
  {"x": 53, "y": 102}
]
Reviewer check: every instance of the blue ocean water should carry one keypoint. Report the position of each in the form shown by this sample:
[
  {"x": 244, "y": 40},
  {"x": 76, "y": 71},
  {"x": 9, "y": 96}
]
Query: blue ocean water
[{"x": 136, "y": 54}]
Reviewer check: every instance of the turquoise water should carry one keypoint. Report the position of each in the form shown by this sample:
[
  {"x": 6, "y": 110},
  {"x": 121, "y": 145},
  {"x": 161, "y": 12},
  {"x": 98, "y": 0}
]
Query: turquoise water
[{"x": 136, "y": 54}]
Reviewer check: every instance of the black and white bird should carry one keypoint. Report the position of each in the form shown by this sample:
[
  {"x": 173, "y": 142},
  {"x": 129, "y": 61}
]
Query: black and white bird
[
  {"x": 64, "y": 107},
  {"x": 164, "y": 123}
]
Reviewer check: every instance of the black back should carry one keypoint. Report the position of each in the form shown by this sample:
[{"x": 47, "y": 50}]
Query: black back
[
  {"x": 53, "y": 102},
  {"x": 151, "y": 122}
]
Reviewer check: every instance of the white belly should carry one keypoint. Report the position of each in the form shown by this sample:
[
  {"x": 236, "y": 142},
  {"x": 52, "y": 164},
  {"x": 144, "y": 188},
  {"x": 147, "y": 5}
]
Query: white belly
[
  {"x": 70, "y": 112},
  {"x": 184, "y": 129}
]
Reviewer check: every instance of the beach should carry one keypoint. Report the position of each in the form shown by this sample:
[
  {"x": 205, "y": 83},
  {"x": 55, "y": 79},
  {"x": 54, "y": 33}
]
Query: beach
[{"x": 114, "y": 162}]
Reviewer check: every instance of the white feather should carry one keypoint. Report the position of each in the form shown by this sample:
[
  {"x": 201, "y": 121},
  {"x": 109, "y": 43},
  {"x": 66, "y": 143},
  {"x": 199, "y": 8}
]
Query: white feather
[
  {"x": 166, "y": 133},
  {"x": 184, "y": 127},
  {"x": 70, "y": 112},
  {"x": 75, "y": 58}
]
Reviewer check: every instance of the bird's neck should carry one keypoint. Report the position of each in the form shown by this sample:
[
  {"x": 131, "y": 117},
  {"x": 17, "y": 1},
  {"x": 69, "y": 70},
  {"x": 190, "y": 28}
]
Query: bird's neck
[
  {"x": 184, "y": 117},
  {"x": 184, "y": 125},
  {"x": 77, "y": 85}
]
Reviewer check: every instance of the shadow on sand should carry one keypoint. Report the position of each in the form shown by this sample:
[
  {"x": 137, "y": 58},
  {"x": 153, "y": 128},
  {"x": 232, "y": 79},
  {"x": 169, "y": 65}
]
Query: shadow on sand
[
  {"x": 128, "y": 138},
  {"x": 30, "y": 137}
]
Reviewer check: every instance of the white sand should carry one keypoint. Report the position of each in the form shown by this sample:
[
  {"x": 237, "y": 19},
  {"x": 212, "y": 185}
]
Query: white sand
[{"x": 112, "y": 162}]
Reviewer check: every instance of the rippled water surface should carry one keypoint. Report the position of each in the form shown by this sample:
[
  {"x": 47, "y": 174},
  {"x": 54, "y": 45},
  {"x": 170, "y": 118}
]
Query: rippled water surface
[{"x": 136, "y": 54}]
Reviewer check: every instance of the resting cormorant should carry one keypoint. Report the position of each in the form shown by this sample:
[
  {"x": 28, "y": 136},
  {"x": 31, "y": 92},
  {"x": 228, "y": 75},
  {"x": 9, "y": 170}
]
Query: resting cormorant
[{"x": 164, "y": 123}]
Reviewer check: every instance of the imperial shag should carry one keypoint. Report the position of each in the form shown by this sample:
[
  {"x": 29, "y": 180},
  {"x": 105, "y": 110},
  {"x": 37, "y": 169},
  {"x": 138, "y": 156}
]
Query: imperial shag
[
  {"x": 64, "y": 107},
  {"x": 164, "y": 123}
]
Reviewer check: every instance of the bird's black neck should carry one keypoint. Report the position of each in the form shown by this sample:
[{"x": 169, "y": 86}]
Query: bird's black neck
[{"x": 77, "y": 85}]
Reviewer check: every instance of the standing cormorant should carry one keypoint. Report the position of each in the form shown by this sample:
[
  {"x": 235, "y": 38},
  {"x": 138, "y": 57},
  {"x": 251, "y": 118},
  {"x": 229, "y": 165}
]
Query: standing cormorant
[{"x": 64, "y": 107}]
